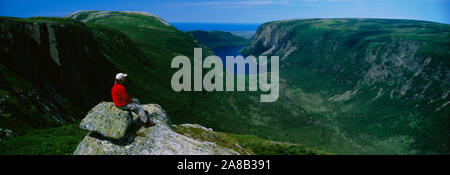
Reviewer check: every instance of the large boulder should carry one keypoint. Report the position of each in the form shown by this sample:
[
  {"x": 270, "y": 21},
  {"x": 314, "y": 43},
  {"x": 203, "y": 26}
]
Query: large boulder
[
  {"x": 160, "y": 139},
  {"x": 107, "y": 120}
]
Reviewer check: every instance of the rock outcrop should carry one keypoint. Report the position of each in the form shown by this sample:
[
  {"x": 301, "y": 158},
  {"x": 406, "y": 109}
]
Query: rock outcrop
[
  {"x": 272, "y": 38},
  {"x": 107, "y": 120},
  {"x": 160, "y": 139}
]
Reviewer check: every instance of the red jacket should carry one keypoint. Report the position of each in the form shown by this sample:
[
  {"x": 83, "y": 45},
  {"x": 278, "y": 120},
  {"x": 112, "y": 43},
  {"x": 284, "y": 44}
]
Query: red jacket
[{"x": 120, "y": 95}]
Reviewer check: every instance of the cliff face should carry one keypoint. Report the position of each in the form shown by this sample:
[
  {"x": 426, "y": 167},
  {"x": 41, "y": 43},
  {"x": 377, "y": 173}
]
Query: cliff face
[
  {"x": 60, "y": 60},
  {"x": 388, "y": 79},
  {"x": 409, "y": 56},
  {"x": 271, "y": 39}
]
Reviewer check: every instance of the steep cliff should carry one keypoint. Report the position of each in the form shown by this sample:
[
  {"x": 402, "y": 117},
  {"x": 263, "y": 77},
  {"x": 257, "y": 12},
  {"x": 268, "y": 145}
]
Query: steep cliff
[
  {"x": 58, "y": 66},
  {"x": 380, "y": 85}
]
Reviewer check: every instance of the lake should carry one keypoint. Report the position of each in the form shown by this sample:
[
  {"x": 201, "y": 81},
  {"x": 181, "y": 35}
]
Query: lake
[
  {"x": 229, "y": 27},
  {"x": 222, "y": 52}
]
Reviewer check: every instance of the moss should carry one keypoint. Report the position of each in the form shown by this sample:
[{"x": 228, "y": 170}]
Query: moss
[
  {"x": 247, "y": 143},
  {"x": 218, "y": 138},
  {"x": 266, "y": 147}
]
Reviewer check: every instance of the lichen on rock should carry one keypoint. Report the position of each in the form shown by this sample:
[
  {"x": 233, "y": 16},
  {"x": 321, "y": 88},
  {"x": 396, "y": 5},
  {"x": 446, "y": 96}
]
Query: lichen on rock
[
  {"x": 107, "y": 120},
  {"x": 160, "y": 139}
]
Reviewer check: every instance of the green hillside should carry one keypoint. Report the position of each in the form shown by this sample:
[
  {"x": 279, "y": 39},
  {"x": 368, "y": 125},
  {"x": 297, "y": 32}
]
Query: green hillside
[
  {"x": 348, "y": 86},
  {"x": 45, "y": 83},
  {"x": 139, "y": 44},
  {"x": 143, "y": 46},
  {"x": 150, "y": 73},
  {"x": 216, "y": 39},
  {"x": 373, "y": 85}
]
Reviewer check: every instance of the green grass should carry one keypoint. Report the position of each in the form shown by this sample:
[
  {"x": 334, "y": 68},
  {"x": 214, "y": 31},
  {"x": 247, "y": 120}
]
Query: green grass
[
  {"x": 332, "y": 56},
  {"x": 146, "y": 58},
  {"x": 251, "y": 144},
  {"x": 266, "y": 147},
  {"x": 55, "y": 141},
  {"x": 148, "y": 68},
  {"x": 143, "y": 47},
  {"x": 221, "y": 139},
  {"x": 330, "y": 59}
]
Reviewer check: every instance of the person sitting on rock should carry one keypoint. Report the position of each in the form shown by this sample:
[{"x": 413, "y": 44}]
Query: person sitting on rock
[{"x": 124, "y": 102}]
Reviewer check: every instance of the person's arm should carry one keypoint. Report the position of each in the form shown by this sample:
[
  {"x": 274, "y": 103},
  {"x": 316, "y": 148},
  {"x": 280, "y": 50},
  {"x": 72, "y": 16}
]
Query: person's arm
[{"x": 124, "y": 95}]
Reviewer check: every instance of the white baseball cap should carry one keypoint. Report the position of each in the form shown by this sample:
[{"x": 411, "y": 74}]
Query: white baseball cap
[{"x": 119, "y": 76}]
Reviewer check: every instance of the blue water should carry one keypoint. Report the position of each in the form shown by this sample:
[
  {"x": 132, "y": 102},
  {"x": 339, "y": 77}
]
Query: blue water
[
  {"x": 224, "y": 51},
  {"x": 215, "y": 26}
]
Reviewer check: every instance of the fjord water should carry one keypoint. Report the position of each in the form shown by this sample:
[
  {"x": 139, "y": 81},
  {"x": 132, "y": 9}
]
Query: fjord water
[
  {"x": 340, "y": 104},
  {"x": 223, "y": 52}
]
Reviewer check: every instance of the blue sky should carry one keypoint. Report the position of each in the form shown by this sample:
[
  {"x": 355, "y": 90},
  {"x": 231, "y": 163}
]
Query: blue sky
[{"x": 240, "y": 11}]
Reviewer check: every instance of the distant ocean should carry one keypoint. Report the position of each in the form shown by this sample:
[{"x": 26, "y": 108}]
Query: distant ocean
[{"x": 216, "y": 26}]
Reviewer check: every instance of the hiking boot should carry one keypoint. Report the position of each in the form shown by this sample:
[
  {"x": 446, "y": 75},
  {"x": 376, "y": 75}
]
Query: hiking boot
[{"x": 149, "y": 124}]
